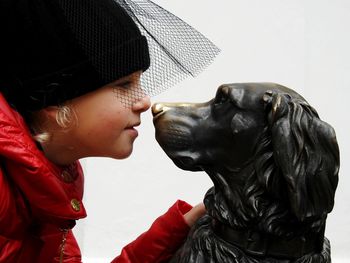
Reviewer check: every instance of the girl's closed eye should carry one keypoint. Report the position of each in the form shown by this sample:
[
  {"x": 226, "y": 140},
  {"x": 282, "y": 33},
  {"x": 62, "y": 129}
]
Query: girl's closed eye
[{"x": 125, "y": 84}]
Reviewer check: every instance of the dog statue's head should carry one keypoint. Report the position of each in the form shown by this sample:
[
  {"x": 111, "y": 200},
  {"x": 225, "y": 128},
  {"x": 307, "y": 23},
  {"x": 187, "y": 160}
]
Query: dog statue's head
[
  {"x": 261, "y": 144},
  {"x": 222, "y": 132}
]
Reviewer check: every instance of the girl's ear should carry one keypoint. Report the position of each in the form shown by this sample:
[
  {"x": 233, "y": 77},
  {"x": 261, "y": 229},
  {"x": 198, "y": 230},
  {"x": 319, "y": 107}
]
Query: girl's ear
[
  {"x": 44, "y": 120},
  {"x": 49, "y": 112},
  {"x": 58, "y": 117}
]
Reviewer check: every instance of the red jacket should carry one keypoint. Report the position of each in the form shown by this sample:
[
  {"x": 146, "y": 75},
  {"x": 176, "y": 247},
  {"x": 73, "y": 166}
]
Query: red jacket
[{"x": 39, "y": 203}]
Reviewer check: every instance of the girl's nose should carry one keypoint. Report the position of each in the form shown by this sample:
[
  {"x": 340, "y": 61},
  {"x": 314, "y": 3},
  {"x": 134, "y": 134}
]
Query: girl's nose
[{"x": 142, "y": 104}]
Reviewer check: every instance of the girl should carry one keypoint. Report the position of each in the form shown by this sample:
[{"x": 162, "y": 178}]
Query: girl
[{"x": 70, "y": 88}]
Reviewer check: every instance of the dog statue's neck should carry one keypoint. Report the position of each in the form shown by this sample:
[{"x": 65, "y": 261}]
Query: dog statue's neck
[{"x": 229, "y": 201}]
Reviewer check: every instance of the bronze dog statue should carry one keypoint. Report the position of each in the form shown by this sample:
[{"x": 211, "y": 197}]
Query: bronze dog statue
[{"x": 274, "y": 165}]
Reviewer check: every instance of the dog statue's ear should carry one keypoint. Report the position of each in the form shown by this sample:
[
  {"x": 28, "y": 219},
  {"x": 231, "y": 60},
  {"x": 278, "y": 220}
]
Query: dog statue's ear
[{"x": 306, "y": 154}]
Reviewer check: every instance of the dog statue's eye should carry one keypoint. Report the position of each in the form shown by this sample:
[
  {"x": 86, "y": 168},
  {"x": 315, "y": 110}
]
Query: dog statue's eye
[{"x": 220, "y": 99}]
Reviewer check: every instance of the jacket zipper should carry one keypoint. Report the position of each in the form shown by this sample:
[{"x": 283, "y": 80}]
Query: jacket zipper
[{"x": 63, "y": 243}]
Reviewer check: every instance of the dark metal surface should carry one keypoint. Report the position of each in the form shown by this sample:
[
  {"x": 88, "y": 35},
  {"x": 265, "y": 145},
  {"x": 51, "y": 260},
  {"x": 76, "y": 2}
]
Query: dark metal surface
[{"x": 274, "y": 165}]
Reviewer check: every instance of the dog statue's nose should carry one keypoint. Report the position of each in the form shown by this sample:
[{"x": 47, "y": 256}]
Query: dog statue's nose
[{"x": 158, "y": 108}]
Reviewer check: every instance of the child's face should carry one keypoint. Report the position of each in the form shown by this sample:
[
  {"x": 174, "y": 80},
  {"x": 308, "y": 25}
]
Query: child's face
[{"x": 105, "y": 126}]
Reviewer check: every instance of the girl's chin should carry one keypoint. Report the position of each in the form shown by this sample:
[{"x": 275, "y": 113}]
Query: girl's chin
[{"x": 123, "y": 154}]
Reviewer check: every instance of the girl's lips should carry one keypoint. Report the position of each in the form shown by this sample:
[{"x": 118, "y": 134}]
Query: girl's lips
[{"x": 132, "y": 130}]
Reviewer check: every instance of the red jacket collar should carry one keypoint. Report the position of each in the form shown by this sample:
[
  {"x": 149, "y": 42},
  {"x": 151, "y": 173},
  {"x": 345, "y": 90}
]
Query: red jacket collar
[{"x": 52, "y": 192}]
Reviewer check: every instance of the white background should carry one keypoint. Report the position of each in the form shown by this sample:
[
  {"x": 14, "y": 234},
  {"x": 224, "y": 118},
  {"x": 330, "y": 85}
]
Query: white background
[{"x": 302, "y": 44}]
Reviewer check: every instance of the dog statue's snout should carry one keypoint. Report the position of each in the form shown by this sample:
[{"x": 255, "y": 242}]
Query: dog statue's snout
[{"x": 160, "y": 107}]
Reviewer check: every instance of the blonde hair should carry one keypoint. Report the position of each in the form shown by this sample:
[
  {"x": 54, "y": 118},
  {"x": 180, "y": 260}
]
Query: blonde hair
[{"x": 65, "y": 118}]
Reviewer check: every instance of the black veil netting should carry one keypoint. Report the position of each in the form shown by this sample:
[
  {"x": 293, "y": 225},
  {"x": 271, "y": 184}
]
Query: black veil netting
[{"x": 177, "y": 50}]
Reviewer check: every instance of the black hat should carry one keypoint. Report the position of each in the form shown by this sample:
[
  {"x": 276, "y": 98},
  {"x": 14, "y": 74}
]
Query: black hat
[{"x": 54, "y": 50}]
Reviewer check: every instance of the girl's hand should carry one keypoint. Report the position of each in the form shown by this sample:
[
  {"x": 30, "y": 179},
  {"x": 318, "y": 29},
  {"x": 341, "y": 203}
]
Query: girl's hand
[{"x": 194, "y": 214}]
